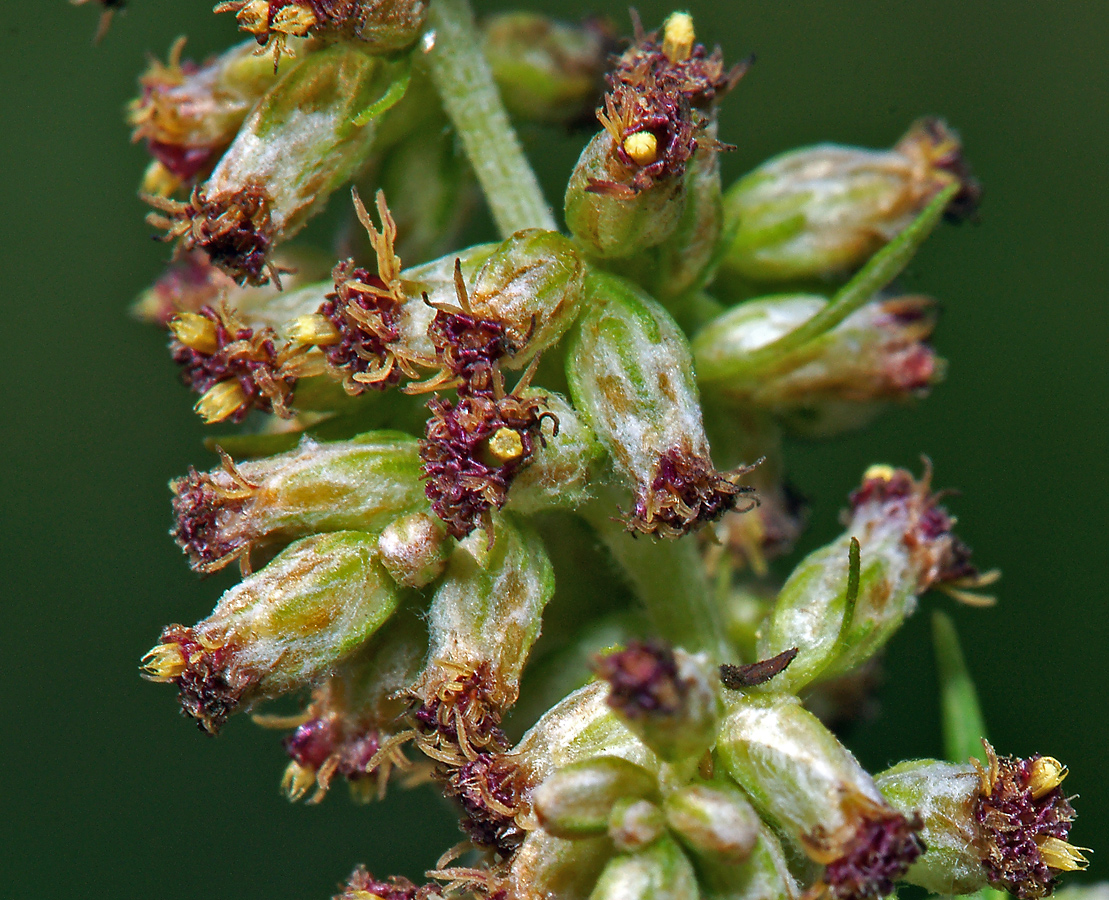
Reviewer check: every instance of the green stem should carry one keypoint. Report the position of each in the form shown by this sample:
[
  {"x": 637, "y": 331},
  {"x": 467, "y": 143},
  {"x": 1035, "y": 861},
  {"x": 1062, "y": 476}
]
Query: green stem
[
  {"x": 963, "y": 724},
  {"x": 883, "y": 267},
  {"x": 465, "y": 85},
  {"x": 669, "y": 578}
]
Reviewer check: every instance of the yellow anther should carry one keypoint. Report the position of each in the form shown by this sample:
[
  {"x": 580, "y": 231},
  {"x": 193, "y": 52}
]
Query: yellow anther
[
  {"x": 678, "y": 37},
  {"x": 220, "y": 401},
  {"x": 1046, "y": 775},
  {"x": 196, "y": 332},
  {"x": 505, "y": 445},
  {"x": 1058, "y": 854},
  {"x": 879, "y": 471},
  {"x": 314, "y": 329},
  {"x": 642, "y": 147},
  {"x": 164, "y": 663},
  {"x": 294, "y": 20}
]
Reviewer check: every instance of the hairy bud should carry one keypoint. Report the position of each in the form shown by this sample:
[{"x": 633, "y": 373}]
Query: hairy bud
[
  {"x": 840, "y": 380},
  {"x": 714, "y": 821},
  {"x": 301, "y": 141},
  {"x": 796, "y": 772},
  {"x": 280, "y": 629},
  {"x": 660, "y": 871},
  {"x": 1005, "y": 824},
  {"x": 360, "y": 484},
  {"x": 821, "y": 212},
  {"x": 845, "y": 600},
  {"x": 577, "y": 800},
  {"x": 668, "y": 697},
  {"x": 631, "y": 374},
  {"x": 547, "y": 71}
]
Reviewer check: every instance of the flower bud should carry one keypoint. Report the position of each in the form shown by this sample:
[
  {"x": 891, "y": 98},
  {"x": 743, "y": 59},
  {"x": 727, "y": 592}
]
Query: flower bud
[
  {"x": 635, "y": 824},
  {"x": 838, "y": 612},
  {"x": 611, "y": 222},
  {"x": 353, "y": 714},
  {"x": 764, "y": 874},
  {"x": 233, "y": 367},
  {"x": 532, "y": 286},
  {"x": 562, "y": 466},
  {"x": 362, "y": 484},
  {"x": 280, "y": 629},
  {"x": 668, "y": 697},
  {"x": 820, "y": 212},
  {"x": 659, "y": 872},
  {"x": 877, "y": 355},
  {"x": 1004, "y": 824},
  {"x": 380, "y": 27},
  {"x": 547, "y": 71},
  {"x": 414, "y": 549},
  {"x": 577, "y": 800},
  {"x": 484, "y": 618},
  {"x": 305, "y": 137},
  {"x": 800, "y": 776},
  {"x": 188, "y": 113},
  {"x": 714, "y": 821},
  {"x": 631, "y": 375}
]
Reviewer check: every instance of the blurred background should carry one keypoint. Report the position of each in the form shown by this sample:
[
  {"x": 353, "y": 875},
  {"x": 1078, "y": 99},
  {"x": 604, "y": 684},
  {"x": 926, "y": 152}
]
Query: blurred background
[{"x": 110, "y": 793}]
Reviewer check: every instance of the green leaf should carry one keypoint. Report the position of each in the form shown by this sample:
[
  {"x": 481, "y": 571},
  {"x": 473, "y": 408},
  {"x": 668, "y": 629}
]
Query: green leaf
[{"x": 963, "y": 725}]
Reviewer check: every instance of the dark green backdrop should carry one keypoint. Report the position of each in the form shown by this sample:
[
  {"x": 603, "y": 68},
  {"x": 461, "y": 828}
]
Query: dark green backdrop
[{"x": 109, "y": 793}]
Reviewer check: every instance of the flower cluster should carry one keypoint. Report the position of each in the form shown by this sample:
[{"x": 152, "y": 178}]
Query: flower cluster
[{"x": 597, "y": 397}]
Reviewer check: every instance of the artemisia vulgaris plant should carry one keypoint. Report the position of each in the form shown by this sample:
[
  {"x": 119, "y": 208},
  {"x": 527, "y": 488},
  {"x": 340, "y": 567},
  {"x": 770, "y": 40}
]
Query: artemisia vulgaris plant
[{"x": 573, "y": 431}]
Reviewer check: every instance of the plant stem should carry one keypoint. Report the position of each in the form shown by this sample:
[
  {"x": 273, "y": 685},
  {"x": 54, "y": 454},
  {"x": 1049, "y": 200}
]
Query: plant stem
[
  {"x": 470, "y": 97},
  {"x": 669, "y": 578},
  {"x": 963, "y": 724}
]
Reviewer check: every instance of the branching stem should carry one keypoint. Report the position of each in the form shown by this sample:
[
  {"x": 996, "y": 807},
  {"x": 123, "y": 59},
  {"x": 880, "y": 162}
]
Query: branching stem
[{"x": 470, "y": 97}]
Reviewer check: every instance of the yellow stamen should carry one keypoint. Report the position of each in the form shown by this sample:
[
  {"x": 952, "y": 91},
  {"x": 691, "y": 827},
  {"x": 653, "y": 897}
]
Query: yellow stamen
[
  {"x": 158, "y": 181},
  {"x": 314, "y": 329},
  {"x": 1047, "y": 774},
  {"x": 297, "y": 781},
  {"x": 164, "y": 663},
  {"x": 884, "y": 472},
  {"x": 1058, "y": 854},
  {"x": 505, "y": 445},
  {"x": 642, "y": 147},
  {"x": 196, "y": 332},
  {"x": 220, "y": 401},
  {"x": 678, "y": 37}
]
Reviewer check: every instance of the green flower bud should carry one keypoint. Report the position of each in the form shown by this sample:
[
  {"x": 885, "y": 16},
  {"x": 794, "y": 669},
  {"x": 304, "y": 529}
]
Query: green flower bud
[
  {"x": 764, "y": 875},
  {"x": 682, "y": 262},
  {"x": 562, "y": 467},
  {"x": 1004, "y": 824},
  {"x": 631, "y": 375},
  {"x": 484, "y": 618},
  {"x": 845, "y": 600},
  {"x": 582, "y": 727},
  {"x": 280, "y": 629},
  {"x": 547, "y": 71},
  {"x": 545, "y": 866},
  {"x": 635, "y": 824},
  {"x": 802, "y": 778},
  {"x": 659, "y": 872},
  {"x": 188, "y": 114},
  {"x": 232, "y": 511},
  {"x": 838, "y": 381},
  {"x": 308, "y": 135},
  {"x": 714, "y": 821},
  {"x": 611, "y": 222},
  {"x": 820, "y": 212},
  {"x": 353, "y": 714},
  {"x": 531, "y": 285},
  {"x": 414, "y": 549},
  {"x": 670, "y": 698},
  {"x": 577, "y": 800}
]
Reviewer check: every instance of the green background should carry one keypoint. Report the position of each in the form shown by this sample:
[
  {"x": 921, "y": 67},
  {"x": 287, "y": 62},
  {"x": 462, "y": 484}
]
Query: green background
[{"x": 109, "y": 792}]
